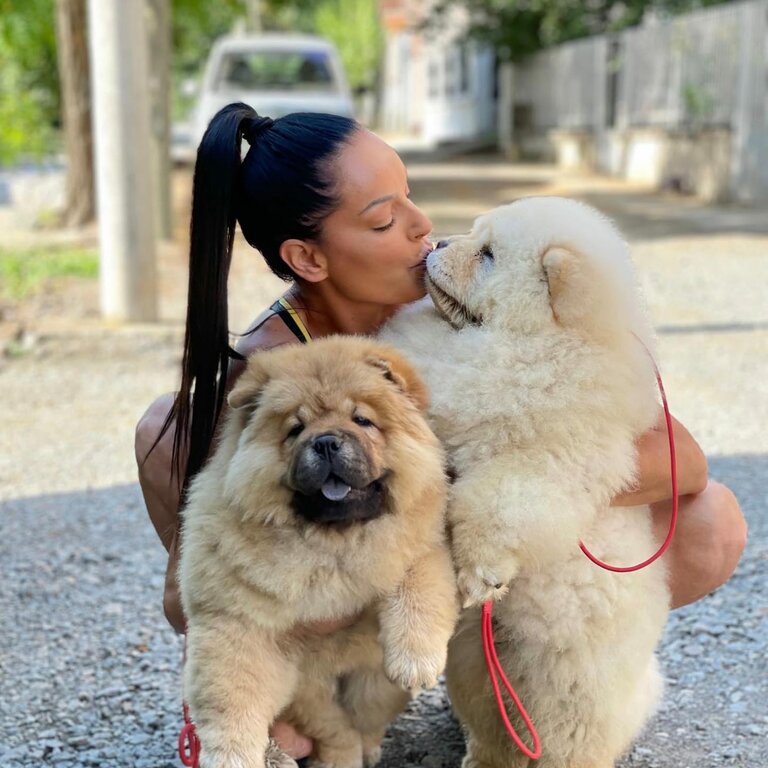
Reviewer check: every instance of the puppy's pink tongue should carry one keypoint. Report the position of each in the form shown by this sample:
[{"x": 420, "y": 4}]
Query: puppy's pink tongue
[{"x": 334, "y": 490}]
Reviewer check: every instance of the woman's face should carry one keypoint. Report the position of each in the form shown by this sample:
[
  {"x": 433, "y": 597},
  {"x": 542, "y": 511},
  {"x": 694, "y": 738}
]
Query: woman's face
[{"x": 375, "y": 244}]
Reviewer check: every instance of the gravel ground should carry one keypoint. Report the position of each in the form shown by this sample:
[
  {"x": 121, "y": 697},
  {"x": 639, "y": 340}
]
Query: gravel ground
[{"x": 90, "y": 671}]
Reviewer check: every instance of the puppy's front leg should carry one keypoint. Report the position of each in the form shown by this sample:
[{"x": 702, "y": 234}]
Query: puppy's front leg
[
  {"x": 506, "y": 514},
  {"x": 237, "y": 680},
  {"x": 417, "y": 621}
]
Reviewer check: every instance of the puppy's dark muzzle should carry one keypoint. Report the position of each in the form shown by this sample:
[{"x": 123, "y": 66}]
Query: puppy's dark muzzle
[
  {"x": 331, "y": 454},
  {"x": 334, "y": 482}
]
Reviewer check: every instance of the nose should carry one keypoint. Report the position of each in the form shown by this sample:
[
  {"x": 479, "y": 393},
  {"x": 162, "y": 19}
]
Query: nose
[
  {"x": 326, "y": 445},
  {"x": 422, "y": 225}
]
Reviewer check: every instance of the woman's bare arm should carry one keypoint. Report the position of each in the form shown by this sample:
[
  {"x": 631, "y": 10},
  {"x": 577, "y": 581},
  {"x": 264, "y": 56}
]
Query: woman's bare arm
[{"x": 654, "y": 473}]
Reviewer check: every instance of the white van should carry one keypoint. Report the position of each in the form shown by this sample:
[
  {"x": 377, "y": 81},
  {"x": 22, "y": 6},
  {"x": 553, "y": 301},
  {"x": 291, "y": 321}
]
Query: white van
[{"x": 275, "y": 74}]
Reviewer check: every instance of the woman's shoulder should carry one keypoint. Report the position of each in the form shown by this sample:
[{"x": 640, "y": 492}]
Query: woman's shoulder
[{"x": 266, "y": 332}]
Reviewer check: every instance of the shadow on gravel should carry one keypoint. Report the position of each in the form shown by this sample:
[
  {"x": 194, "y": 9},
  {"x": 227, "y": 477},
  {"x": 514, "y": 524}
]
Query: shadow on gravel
[
  {"x": 91, "y": 671},
  {"x": 747, "y": 476}
]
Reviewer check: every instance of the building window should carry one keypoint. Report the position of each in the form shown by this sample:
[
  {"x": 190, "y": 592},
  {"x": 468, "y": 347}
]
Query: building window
[{"x": 464, "y": 64}]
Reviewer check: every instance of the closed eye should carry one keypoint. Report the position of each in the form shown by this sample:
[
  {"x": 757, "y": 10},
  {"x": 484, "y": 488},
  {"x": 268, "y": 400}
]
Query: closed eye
[
  {"x": 361, "y": 421},
  {"x": 486, "y": 254},
  {"x": 295, "y": 431},
  {"x": 385, "y": 227}
]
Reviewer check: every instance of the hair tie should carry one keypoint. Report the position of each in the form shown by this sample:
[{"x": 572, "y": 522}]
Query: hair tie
[{"x": 255, "y": 126}]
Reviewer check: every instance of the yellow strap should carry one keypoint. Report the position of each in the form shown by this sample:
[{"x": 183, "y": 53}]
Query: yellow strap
[{"x": 295, "y": 315}]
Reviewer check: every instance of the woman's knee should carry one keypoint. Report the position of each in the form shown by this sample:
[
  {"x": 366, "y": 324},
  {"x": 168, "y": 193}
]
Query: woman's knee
[
  {"x": 711, "y": 537},
  {"x": 730, "y": 527}
]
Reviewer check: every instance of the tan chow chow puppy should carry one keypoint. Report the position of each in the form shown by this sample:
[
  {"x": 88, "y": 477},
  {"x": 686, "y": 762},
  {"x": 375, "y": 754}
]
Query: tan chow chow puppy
[
  {"x": 539, "y": 390},
  {"x": 325, "y": 498}
]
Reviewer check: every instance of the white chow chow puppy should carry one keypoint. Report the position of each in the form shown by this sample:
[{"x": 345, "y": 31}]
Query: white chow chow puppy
[{"x": 540, "y": 387}]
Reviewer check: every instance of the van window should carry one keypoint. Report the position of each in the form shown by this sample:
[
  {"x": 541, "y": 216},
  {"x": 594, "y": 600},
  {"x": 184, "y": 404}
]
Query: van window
[{"x": 275, "y": 71}]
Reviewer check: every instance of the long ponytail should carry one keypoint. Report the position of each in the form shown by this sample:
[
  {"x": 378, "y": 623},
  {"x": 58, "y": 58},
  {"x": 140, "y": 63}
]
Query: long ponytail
[{"x": 207, "y": 351}]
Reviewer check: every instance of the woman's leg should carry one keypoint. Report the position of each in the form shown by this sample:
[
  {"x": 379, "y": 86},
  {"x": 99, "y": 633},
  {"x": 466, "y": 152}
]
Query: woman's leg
[
  {"x": 161, "y": 495},
  {"x": 710, "y": 538},
  {"x": 160, "y": 489}
]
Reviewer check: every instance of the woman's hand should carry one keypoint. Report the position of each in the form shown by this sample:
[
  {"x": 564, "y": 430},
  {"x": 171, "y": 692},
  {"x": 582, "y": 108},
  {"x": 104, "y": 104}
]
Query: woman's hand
[{"x": 654, "y": 482}]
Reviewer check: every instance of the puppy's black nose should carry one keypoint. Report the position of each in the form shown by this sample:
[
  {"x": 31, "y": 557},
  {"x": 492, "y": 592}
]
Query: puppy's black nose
[
  {"x": 441, "y": 244},
  {"x": 326, "y": 445}
]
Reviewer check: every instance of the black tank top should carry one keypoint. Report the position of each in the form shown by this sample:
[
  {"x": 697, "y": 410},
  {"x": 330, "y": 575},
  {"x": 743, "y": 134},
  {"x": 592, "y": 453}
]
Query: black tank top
[{"x": 291, "y": 318}]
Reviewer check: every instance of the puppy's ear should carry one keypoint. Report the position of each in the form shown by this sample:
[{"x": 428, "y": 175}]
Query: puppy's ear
[
  {"x": 248, "y": 388},
  {"x": 402, "y": 374},
  {"x": 569, "y": 285},
  {"x": 589, "y": 293},
  {"x": 557, "y": 263}
]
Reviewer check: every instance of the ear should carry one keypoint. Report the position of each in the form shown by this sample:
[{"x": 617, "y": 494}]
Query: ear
[
  {"x": 558, "y": 263},
  {"x": 402, "y": 374},
  {"x": 248, "y": 388},
  {"x": 305, "y": 259},
  {"x": 587, "y": 292}
]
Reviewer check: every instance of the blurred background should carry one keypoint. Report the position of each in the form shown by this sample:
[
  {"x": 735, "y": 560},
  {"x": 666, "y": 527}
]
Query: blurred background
[
  {"x": 655, "y": 111},
  {"x": 108, "y": 106}
]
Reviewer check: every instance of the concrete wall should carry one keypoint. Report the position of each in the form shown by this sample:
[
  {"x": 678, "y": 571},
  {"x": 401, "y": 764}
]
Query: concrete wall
[{"x": 681, "y": 102}]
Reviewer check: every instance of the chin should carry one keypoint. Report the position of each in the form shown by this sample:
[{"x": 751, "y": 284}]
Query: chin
[{"x": 419, "y": 292}]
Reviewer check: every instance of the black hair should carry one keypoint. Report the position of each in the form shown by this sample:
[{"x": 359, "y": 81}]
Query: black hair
[{"x": 282, "y": 189}]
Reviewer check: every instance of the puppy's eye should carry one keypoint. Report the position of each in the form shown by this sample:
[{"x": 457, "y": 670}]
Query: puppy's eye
[
  {"x": 295, "y": 431},
  {"x": 486, "y": 254},
  {"x": 361, "y": 421}
]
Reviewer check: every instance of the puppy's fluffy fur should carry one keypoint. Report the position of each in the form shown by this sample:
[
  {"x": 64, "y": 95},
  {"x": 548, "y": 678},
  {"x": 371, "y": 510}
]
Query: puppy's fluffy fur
[
  {"x": 324, "y": 499},
  {"x": 539, "y": 390}
]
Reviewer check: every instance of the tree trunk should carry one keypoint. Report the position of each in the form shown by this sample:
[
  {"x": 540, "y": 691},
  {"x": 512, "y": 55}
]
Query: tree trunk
[{"x": 72, "y": 45}]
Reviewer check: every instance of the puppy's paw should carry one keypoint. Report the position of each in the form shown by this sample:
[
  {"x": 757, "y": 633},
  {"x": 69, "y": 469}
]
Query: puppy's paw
[
  {"x": 220, "y": 750},
  {"x": 371, "y": 755},
  {"x": 479, "y": 583},
  {"x": 411, "y": 671},
  {"x": 276, "y": 758},
  {"x": 224, "y": 758}
]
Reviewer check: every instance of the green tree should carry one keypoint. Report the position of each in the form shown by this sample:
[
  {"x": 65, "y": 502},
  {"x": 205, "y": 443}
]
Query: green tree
[
  {"x": 29, "y": 89},
  {"x": 518, "y": 28},
  {"x": 353, "y": 25}
]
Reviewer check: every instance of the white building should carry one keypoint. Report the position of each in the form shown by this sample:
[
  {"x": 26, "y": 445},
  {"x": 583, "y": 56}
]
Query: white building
[{"x": 437, "y": 85}]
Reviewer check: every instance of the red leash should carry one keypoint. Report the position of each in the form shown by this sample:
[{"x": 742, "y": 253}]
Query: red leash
[
  {"x": 189, "y": 742},
  {"x": 675, "y": 502},
  {"x": 492, "y": 660},
  {"x": 494, "y": 666}
]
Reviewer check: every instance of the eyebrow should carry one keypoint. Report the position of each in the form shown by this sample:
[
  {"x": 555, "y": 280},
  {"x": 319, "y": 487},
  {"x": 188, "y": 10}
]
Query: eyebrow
[{"x": 378, "y": 200}]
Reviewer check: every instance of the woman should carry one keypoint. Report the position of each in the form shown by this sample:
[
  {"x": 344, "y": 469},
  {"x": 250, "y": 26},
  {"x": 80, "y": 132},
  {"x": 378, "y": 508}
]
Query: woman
[{"x": 327, "y": 204}]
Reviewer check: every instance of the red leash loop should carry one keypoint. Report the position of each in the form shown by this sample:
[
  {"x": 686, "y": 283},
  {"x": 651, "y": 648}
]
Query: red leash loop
[
  {"x": 675, "y": 501},
  {"x": 494, "y": 666},
  {"x": 189, "y": 743}
]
